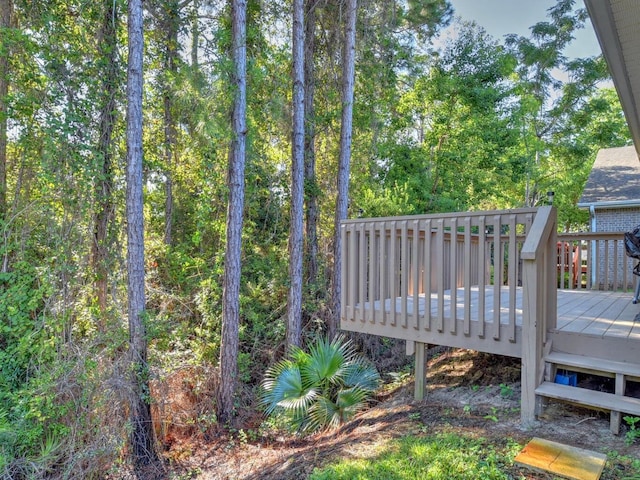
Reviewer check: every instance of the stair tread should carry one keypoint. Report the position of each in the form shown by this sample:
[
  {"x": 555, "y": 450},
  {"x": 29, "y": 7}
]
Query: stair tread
[
  {"x": 592, "y": 363},
  {"x": 608, "y": 401}
]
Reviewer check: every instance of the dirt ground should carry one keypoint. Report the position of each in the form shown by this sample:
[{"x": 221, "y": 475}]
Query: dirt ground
[{"x": 468, "y": 392}]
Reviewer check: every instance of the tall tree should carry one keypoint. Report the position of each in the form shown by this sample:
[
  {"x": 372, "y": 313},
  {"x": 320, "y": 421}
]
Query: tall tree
[
  {"x": 547, "y": 100},
  {"x": 294, "y": 304},
  {"x": 109, "y": 78},
  {"x": 235, "y": 213},
  {"x": 311, "y": 187},
  {"x": 344, "y": 160},
  {"x": 171, "y": 24},
  {"x": 6, "y": 9},
  {"x": 142, "y": 440},
  {"x": 195, "y": 34}
]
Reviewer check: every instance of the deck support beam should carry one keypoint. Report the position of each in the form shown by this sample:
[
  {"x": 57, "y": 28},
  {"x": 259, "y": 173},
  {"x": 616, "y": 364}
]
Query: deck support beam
[
  {"x": 420, "y": 369},
  {"x": 615, "y": 420}
]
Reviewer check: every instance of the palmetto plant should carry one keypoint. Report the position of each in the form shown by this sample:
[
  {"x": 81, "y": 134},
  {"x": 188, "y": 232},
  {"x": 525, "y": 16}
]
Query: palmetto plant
[{"x": 322, "y": 388}]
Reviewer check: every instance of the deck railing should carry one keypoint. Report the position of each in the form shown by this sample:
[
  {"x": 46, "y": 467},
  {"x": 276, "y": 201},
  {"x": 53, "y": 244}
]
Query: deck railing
[
  {"x": 594, "y": 261},
  {"x": 446, "y": 276}
]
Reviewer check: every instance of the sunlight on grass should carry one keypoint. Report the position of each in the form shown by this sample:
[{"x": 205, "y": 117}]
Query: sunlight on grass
[{"x": 437, "y": 457}]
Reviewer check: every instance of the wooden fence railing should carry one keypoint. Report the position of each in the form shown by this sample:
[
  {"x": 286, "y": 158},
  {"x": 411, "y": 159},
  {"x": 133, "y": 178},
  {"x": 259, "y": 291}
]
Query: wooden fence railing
[
  {"x": 452, "y": 276},
  {"x": 594, "y": 261}
]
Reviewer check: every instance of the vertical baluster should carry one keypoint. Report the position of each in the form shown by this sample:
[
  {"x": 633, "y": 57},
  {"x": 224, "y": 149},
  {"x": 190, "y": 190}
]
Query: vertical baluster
[
  {"x": 353, "y": 263},
  {"x": 483, "y": 259},
  {"x": 427, "y": 274},
  {"x": 384, "y": 266},
  {"x": 616, "y": 263},
  {"x": 345, "y": 301},
  {"x": 606, "y": 265},
  {"x": 467, "y": 275},
  {"x": 453, "y": 275},
  {"x": 591, "y": 264},
  {"x": 404, "y": 271},
  {"x": 362, "y": 270},
  {"x": 498, "y": 265},
  {"x": 513, "y": 282},
  {"x": 415, "y": 259},
  {"x": 440, "y": 273},
  {"x": 393, "y": 268},
  {"x": 372, "y": 287}
]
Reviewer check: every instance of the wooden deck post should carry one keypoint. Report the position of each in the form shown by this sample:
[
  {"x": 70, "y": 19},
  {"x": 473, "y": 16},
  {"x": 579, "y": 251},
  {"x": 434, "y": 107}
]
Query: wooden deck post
[
  {"x": 420, "y": 369},
  {"x": 539, "y": 306},
  {"x": 532, "y": 343},
  {"x": 615, "y": 418}
]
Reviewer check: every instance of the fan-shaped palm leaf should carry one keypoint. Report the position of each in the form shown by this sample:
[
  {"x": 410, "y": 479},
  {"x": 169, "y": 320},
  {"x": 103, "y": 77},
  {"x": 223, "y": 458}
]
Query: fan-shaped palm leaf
[
  {"x": 323, "y": 414},
  {"x": 351, "y": 401},
  {"x": 283, "y": 387},
  {"x": 362, "y": 374},
  {"x": 327, "y": 360}
]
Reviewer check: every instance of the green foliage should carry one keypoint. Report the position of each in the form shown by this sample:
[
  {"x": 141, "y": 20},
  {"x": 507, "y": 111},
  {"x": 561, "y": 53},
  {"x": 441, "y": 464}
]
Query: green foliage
[
  {"x": 439, "y": 457},
  {"x": 622, "y": 467},
  {"x": 319, "y": 389},
  {"x": 24, "y": 332},
  {"x": 634, "y": 430},
  {"x": 506, "y": 391}
]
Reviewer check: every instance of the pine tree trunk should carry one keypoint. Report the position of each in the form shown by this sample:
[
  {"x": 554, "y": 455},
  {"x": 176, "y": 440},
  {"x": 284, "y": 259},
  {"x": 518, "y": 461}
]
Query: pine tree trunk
[
  {"x": 142, "y": 441},
  {"x": 232, "y": 266},
  {"x": 195, "y": 36},
  {"x": 6, "y": 9},
  {"x": 311, "y": 194},
  {"x": 344, "y": 161},
  {"x": 171, "y": 25},
  {"x": 294, "y": 303},
  {"x": 104, "y": 186}
]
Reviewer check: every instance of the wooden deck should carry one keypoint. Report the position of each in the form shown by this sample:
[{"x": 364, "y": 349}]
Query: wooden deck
[{"x": 488, "y": 281}]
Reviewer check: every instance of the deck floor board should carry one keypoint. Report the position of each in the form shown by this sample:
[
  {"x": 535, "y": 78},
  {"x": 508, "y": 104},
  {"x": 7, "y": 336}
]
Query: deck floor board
[
  {"x": 591, "y": 312},
  {"x": 590, "y": 308}
]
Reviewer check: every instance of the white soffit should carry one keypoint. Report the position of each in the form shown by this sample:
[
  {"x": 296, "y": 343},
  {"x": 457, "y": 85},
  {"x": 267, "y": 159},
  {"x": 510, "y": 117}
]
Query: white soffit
[{"x": 617, "y": 26}]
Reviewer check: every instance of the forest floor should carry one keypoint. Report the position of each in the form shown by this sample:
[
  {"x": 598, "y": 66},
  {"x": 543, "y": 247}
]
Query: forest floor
[{"x": 469, "y": 393}]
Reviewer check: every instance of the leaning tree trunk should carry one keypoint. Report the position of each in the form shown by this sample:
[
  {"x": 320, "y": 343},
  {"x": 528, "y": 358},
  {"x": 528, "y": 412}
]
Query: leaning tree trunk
[
  {"x": 232, "y": 267},
  {"x": 348, "y": 79},
  {"x": 294, "y": 301},
  {"x": 142, "y": 442}
]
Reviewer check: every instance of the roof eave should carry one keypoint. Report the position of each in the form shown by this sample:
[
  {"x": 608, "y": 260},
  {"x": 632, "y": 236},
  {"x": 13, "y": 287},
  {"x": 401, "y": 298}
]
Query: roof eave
[
  {"x": 611, "y": 204},
  {"x": 605, "y": 27}
]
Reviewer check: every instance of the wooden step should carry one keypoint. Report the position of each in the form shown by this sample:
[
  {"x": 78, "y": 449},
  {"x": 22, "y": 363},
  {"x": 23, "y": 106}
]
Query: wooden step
[
  {"x": 594, "y": 365},
  {"x": 590, "y": 398}
]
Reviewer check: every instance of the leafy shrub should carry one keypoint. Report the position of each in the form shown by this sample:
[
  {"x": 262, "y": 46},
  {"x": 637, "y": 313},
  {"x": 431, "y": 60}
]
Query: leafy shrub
[{"x": 322, "y": 388}]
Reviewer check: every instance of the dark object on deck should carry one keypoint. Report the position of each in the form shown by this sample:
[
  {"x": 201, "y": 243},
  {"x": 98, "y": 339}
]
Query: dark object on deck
[
  {"x": 632, "y": 247},
  {"x": 632, "y": 243}
]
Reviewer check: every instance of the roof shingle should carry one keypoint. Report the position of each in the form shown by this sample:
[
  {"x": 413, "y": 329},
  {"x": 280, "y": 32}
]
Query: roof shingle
[{"x": 615, "y": 176}]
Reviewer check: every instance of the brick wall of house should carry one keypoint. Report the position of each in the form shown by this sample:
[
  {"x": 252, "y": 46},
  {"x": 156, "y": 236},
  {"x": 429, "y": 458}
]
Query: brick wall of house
[{"x": 616, "y": 220}]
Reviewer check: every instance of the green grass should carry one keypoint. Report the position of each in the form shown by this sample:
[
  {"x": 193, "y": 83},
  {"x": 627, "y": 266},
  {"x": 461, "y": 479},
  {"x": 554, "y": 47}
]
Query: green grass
[
  {"x": 449, "y": 455},
  {"x": 442, "y": 456}
]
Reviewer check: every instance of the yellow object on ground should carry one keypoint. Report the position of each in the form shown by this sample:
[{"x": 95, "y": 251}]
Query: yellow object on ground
[{"x": 562, "y": 460}]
